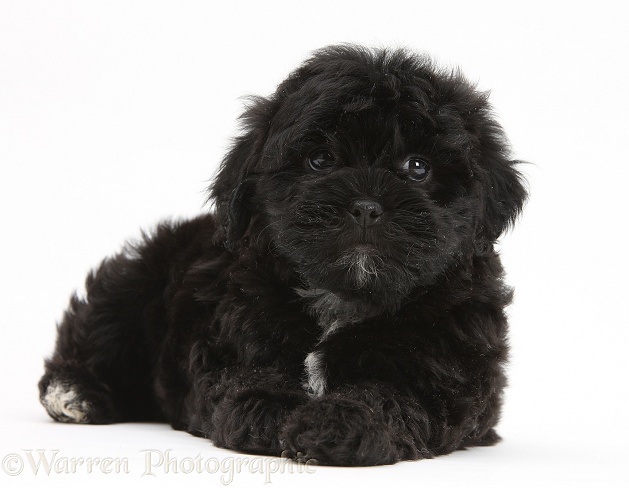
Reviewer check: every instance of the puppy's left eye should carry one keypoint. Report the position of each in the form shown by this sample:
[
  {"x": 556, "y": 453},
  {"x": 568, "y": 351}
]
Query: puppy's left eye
[
  {"x": 416, "y": 169},
  {"x": 321, "y": 159}
]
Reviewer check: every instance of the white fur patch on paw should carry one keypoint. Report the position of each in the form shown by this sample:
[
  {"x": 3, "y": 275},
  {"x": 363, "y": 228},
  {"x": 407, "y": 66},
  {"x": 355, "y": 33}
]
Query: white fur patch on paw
[
  {"x": 316, "y": 381},
  {"x": 62, "y": 403}
]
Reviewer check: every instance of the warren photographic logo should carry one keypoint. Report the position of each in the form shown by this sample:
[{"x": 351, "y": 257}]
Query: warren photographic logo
[{"x": 52, "y": 462}]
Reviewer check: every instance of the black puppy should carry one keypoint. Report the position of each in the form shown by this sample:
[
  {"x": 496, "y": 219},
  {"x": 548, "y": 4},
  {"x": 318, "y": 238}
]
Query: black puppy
[{"x": 344, "y": 303}]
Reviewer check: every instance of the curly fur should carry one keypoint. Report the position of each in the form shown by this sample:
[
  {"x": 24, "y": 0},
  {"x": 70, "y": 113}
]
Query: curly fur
[{"x": 277, "y": 323}]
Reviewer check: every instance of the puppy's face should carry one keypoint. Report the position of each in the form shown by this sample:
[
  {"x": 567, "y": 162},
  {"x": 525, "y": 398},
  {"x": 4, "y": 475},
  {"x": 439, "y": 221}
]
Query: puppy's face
[
  {"x": 364, "y": 202},
  {"x": 372, "y": 173}
]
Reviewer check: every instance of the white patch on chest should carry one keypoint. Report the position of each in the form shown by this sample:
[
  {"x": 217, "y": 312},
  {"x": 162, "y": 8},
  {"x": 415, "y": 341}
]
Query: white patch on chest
[
  {"x": 332, "y": 314},
  {"x": 316, "y": 381},
  {"x": 62, "y": 403}
]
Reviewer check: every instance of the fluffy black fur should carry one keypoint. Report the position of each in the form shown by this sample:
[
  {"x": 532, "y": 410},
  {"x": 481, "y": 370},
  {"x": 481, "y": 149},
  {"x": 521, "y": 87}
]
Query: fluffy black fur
[{"x": 292, "y": 319}]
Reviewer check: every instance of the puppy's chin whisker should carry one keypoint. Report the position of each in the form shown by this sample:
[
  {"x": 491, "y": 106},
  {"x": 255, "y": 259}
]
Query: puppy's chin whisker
[{"x": 363, "y": 265}]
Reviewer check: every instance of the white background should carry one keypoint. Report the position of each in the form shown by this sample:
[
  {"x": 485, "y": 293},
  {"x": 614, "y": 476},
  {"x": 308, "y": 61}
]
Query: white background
[{"x": 114, "y": 114}]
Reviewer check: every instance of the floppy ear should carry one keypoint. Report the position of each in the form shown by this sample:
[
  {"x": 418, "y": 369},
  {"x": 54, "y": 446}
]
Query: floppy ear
[
  {"x": 503, "y": 196},
  {"x": 234, "y": 186},
  {"x": 499, "y": 185},
  {"x": 239, "y": 213}
]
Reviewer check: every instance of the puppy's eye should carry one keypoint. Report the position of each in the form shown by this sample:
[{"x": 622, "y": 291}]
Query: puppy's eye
[
  {"x": 415, "y": 168},
  {"x": 321, "y": 159}
]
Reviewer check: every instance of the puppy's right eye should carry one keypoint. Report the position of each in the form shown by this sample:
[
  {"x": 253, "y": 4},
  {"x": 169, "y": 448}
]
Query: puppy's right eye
[{"x": 321, "y": 160}]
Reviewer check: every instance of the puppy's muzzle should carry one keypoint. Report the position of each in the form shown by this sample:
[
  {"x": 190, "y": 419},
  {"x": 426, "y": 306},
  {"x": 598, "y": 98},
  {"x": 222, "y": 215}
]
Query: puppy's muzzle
[{"x": 365, "y": 212}]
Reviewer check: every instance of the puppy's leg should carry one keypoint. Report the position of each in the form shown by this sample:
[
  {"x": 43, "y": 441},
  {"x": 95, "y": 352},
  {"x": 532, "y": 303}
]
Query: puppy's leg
[
  {"x": 386, "y": 395},
  {"x": 101, "y": 369},
  {"x": 103, "y": 366},
  {"x": 244, "y": 408},
  {"x": 363, "y": 425},
  {"x": 372, "y": 424}
]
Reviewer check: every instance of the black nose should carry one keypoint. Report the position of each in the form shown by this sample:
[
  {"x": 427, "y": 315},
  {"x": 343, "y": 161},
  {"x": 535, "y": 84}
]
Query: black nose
[{"x": 365, "y": 212}]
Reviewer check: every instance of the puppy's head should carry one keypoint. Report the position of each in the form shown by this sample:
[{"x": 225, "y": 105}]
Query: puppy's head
[{"x": 371, "y": 171}]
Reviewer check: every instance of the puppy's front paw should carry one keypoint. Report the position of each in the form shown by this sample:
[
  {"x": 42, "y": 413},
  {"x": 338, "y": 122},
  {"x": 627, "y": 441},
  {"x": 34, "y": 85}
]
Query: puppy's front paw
[
  {"x": 338, "y": 431},
  {"x": 249, "y": 420}
]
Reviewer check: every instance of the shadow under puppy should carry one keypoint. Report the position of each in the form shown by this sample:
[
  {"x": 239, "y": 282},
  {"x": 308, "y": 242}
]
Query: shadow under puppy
[{"x": 344, "y": 303}]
